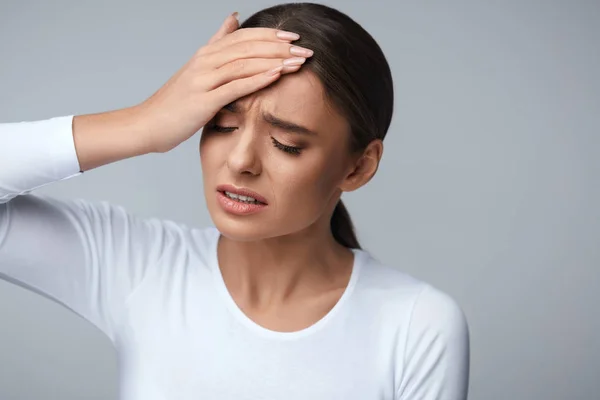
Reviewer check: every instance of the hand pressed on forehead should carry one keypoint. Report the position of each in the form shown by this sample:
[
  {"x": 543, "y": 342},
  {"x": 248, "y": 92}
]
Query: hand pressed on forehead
[{"x": 235, "y": 63}]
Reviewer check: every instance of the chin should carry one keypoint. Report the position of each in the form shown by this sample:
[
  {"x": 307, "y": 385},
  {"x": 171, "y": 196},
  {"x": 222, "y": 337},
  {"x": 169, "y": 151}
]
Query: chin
[{"x": 243, "y": 230}]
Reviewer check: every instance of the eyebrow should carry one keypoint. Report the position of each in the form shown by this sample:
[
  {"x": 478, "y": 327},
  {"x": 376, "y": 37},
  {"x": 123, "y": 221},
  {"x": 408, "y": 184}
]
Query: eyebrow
[{"x": 275, "y": 121}]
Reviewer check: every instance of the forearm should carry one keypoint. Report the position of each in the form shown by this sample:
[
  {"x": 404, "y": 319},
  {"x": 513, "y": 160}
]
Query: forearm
[{"x": 107, "y": 137}]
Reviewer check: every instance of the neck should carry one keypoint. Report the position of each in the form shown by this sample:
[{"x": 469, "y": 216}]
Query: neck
[{"x": 269, "y": 272}]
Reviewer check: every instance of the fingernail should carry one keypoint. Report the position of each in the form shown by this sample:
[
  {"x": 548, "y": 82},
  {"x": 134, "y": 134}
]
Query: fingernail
[
  {"x": 274, "y": 71},
  {"x": 287, "y": 35},
  {"x": 236, "y": 15},
  {"x": 294, "y": 61},
  {"x": 299, "y": 51}
]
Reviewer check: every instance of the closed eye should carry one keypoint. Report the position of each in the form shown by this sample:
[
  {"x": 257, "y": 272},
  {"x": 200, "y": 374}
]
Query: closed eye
[
  {"x": 219, "y": 128},
  {"x": 293, "y": 150},
  {"x": 288, "y": 149}
]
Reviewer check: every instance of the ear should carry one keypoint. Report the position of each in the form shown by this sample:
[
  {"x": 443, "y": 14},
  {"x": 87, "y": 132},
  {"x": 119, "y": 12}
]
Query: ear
[{"x": 365, "y": 166}]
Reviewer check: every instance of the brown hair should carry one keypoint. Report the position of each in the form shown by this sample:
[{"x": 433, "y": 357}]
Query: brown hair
[{"x": 354, "y": 73}]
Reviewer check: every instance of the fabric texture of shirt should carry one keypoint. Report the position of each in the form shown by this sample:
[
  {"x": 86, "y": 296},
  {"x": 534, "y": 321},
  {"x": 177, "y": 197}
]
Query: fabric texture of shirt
[{"x": 154, "y": 288}]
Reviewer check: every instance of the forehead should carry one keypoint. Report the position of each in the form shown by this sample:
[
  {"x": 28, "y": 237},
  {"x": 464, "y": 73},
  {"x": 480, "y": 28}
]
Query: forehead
[{"x": 298, "y": 97}]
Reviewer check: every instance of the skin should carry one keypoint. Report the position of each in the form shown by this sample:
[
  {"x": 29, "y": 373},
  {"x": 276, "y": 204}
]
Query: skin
[{"x": 282, "y": 265}]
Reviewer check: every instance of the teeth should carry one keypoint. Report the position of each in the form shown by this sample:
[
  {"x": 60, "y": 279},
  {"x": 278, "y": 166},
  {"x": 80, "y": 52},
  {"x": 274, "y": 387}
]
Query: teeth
[{"x": 243, "y": 199}]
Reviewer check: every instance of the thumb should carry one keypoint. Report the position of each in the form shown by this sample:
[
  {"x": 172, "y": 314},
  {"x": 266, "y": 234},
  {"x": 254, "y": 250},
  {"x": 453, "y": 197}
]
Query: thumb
[{"x": 230, "y": 24}]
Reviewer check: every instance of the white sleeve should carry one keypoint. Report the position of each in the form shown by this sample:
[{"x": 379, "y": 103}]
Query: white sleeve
[
  {"x": 436, "y": 359},
  {"x": 34, "y": 154},
  {"x": 87, "y": 256}
]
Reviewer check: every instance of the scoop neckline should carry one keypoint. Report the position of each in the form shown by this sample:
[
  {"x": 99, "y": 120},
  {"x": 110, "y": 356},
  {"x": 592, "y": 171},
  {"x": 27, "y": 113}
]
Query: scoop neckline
[{"x": 246, "y": 321}]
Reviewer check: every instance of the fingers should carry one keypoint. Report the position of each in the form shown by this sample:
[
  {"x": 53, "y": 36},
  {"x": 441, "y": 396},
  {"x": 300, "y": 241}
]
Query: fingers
[
  {"x": 228, "y": 26},
  {"x": 244, "y": 68},
  {"x": 237, "y": 62},
  {"x": 253, "y": 49},
  {"x": 236, "y": 89},
  {"x": 251, "y": 34}
]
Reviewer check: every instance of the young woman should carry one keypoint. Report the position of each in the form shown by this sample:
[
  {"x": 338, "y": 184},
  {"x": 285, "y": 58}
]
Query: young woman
[{"x": 277, "y": 300}]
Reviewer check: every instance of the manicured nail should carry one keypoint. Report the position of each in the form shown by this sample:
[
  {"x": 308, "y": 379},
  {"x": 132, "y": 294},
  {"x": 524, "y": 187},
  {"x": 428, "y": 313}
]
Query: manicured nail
[
  {"x": 294, "y": 61},
  {"x": 274, "y": 71},
  {"x": 300, "y": 51},
  {"x": 287, "y": 35}
]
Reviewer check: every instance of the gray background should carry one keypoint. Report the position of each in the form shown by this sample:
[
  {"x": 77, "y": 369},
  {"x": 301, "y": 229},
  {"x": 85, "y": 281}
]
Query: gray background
[{"x": 488, "y": 187}]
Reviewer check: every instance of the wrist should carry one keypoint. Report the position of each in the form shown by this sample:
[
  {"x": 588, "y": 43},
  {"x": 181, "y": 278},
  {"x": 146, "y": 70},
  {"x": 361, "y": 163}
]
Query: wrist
[
  {"x": 143, "y": 132},
  {"x": 106, "y": 137}
]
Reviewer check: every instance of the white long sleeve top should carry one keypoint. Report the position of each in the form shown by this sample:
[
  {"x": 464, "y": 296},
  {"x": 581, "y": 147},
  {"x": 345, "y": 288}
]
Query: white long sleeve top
[{"x": 155, "y": 289}]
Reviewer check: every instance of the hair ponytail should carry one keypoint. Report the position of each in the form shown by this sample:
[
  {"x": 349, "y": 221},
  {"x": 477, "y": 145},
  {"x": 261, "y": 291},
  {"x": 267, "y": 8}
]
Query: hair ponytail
[{"x": 342, "y": 227}]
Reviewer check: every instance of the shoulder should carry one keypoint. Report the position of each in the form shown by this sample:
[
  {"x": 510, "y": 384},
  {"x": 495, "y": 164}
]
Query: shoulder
[
  {"x": 433, "y": 353},
  {"x": 418, "y": 305},
  {"x": 382, "y": 279},
  {"x": 430, "y": 333},
  {"x": 435, "y": 312}
]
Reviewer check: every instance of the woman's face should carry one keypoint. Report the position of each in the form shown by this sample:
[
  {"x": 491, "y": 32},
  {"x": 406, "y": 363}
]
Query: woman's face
[{"x": 299, "y": 170}]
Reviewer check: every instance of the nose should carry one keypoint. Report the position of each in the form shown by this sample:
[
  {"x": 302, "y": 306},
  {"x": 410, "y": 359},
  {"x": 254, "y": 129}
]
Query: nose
[{"x": 243, "y": 157}]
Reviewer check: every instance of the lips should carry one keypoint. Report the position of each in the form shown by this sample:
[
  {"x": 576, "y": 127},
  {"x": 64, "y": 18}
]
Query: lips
[{"x": 242, "y": 192}]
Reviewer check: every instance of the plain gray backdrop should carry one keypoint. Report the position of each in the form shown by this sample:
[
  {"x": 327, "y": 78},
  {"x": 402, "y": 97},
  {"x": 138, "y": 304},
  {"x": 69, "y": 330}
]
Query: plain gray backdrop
[{"x": 488, "y": 187}]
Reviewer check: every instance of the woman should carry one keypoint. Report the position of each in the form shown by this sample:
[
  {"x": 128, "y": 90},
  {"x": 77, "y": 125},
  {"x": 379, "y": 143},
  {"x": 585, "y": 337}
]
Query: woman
[{"x": 277, "y": 301}]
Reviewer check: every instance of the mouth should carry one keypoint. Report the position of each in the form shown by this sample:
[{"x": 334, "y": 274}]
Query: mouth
[
  {"x": 241, "y": 195},
  {"x": 241, "y": 198}
]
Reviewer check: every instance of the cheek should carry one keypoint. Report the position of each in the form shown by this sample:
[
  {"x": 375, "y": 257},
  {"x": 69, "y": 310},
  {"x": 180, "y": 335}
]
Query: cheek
[
  {"x": 204, "y": 143},
  {"x": 210, "y": 154},
  {"x": 304, "y": 184}
]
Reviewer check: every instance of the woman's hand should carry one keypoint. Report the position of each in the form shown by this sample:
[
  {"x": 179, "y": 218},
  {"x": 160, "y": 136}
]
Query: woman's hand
[{"x": 234, "y": 63}]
